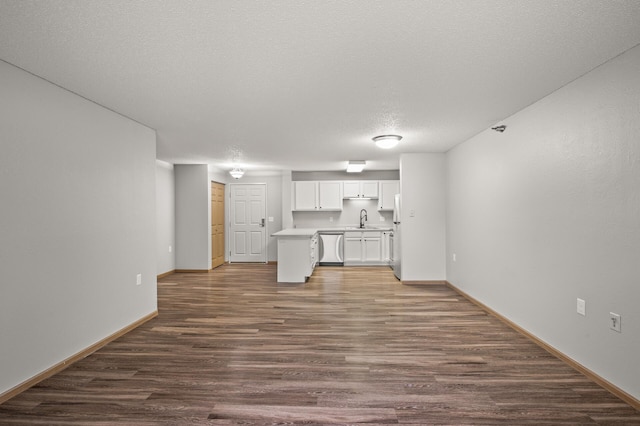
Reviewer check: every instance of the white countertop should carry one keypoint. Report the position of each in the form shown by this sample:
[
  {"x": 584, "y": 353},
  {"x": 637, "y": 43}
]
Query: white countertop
[
  {"x": 310, "y": 232},
  {"x": 296, "y": 232}
]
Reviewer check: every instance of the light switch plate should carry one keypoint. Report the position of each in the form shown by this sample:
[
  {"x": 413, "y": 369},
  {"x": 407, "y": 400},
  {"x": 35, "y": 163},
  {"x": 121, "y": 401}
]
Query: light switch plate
[
  {"x": 581, "y": 306},
  {"x": 614, "y": 322}
]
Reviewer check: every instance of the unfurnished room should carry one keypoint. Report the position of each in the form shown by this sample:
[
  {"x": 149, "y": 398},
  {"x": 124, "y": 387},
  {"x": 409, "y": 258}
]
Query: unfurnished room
[{"x": 319, "y": 212}]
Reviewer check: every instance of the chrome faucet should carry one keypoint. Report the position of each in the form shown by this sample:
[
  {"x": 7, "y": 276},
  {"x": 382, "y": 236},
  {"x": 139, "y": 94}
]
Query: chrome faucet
[{"x": 363, "y": 217}]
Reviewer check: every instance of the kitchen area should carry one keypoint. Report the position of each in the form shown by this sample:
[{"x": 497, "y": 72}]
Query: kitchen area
[{"x": 340, "y": 222}]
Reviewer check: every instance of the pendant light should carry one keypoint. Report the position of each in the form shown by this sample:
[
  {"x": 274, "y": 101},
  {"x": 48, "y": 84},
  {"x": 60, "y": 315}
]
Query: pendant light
[{"x": 236, "y": 173}]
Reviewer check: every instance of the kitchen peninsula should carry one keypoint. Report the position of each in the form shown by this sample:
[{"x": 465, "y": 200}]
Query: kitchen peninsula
[{"x": 298, "y": 249}]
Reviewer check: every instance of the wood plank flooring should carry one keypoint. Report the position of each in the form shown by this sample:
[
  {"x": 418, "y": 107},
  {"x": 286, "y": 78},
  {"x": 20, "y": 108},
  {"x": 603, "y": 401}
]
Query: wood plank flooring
[{"x": 352, "y": 345}]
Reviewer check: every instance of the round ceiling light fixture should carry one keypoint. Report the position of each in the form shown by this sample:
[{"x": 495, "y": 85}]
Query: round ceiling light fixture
[
  {"x": 236, "y": 173},
  {"x": 387, "y": 141}
]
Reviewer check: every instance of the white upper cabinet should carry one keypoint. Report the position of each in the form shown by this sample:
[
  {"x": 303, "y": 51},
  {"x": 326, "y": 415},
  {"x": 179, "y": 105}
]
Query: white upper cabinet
[
  {"x": 330, "y": 195},
  {"x": 305, "y": 195},
  {"x": 361, "y": 189},
  {"x": 351, "y": 189},
  {"x": 369, "y": 188},
  {"x": 317, "y": 196},
  {"x": 388, "y": 190}
]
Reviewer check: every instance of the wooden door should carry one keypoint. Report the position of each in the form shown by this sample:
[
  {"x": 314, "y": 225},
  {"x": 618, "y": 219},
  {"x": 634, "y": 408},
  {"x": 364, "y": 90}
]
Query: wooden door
[
  {"x": 247, "y": 231},
  {"x": 217, "y": 224}
]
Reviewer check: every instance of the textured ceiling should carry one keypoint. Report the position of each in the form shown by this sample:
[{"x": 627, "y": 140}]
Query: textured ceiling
[{"x": 304, "y": 85}]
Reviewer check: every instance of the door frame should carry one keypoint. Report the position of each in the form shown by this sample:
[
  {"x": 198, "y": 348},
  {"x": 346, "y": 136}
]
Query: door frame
[{"x": 266, "y": 221}]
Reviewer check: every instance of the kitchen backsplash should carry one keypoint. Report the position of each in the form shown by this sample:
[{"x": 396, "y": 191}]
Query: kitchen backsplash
[{"x": 350, "y": 215}]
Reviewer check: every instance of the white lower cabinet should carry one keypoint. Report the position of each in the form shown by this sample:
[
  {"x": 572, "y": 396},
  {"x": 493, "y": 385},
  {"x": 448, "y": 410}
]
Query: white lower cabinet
[
  {"x": 297, "y": 257},
  {"x": 386, "y": 246},
  {"x": 372, "y": 248},
  {"x": 363, "y": 248},
  {"x": 352, "y": 248},
  {"x": 313, "y": 254}
]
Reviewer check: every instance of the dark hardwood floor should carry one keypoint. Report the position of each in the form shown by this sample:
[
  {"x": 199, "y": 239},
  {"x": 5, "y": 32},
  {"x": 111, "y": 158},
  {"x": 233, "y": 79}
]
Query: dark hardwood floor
[{"x": 352, "y": 345}]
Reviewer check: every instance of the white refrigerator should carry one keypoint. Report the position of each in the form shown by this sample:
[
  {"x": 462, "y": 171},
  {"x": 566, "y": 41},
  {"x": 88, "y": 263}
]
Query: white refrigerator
[{"x": 396, "y": 261}]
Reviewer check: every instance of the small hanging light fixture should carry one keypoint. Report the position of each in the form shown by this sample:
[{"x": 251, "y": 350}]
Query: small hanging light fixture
[{"x": 236, "y": 173}]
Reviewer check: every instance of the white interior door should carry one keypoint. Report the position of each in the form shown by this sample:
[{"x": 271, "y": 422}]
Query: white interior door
[{"x": 247, "y": 228}]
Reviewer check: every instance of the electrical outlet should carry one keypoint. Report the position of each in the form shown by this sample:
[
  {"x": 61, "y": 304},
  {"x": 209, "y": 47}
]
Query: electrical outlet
[
  {"x": 170, "y": 249},
  {"x": 581, "y": 307},
  {"x": 614, "y": 322},
  {"x": 453, "y": 256},
  {"x": 270, "y": 218},
  {"x": 138, "y": 279}
]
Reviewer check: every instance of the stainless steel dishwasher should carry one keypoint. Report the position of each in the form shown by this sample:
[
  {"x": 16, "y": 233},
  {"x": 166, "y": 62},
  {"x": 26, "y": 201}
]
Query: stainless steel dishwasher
[{"x": 331, "y": 248}]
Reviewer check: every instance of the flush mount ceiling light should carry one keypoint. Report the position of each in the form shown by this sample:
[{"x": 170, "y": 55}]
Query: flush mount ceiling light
[
  {"x": 387, "y": 141},
  {"x": 236, "y": 173},
  {"x": 355, "y": 166}
]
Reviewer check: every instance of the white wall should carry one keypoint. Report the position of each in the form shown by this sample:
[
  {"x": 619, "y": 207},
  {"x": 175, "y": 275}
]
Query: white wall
[
  {"x": 285, "y": 190},
  {"x": 77, "y": 224},
  {"x": 193, "y": 217},
  {"x": 165, "y": 218},
  {"x": 549, "y": 211},
  {"x": 422, "y": 229}
]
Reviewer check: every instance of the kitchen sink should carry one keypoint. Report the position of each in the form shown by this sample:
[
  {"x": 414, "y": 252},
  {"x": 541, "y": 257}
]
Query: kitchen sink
[{"x": 358, "y": 228}]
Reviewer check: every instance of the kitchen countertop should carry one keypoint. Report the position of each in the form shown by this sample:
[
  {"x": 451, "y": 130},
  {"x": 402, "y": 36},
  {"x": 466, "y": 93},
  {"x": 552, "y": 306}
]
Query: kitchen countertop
[
  {"x": 296, "y": 232},
  {"x": 309, "y": 232}
]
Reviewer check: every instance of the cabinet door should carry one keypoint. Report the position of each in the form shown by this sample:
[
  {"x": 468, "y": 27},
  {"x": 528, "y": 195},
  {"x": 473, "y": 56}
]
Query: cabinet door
[
  {"x": 386, "y": 243},
  {"x": 372, "y": 248},
  {"x": 305, "y": 196},
  {"x": 330, "y": 195},
  {"x": 313, "y": 253},
  {"x": 352, "y": 249},
  {"x": 388, "y": 190},
  {"x": 369, "y": 188},
  {"x": 351, "y": 189}
]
